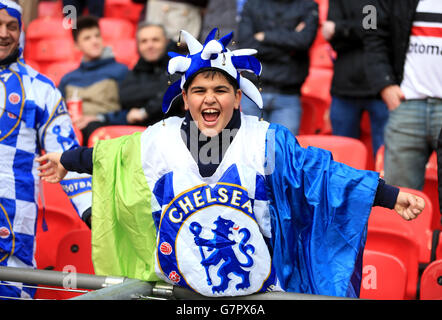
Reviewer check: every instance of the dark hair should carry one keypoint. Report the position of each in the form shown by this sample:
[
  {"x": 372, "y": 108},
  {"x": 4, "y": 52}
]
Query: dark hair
[
  {"x": 212, "y": 72},
  {"x": 146, "y": 24},
  {"x": 85, "y": 22}
]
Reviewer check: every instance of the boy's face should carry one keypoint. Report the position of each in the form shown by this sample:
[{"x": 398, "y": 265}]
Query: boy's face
[
  {"x": 9, "y": 34},
  {"x": 211, "y": 102},
  {"x": 90, "y": 43}
]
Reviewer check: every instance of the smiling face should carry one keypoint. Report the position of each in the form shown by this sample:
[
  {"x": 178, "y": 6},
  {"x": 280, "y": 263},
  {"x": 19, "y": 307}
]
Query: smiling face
[
  {"x": 152, "y": 42},
  {"x": 211, "y": 100},
  {"x": 9, "y": 34}
]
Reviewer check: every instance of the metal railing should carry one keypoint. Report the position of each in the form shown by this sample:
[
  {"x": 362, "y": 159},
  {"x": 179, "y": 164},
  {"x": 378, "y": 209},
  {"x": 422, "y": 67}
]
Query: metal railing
[{"x": 120, "y": 288}]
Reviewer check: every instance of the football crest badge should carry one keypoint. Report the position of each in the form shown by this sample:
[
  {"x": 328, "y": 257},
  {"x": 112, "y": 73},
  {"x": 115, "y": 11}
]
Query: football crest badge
[{"x": 209, "y": 241}]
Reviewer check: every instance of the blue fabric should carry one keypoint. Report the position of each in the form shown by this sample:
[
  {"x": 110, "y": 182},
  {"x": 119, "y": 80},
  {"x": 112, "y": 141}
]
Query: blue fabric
[{"x": 319, "y": 211}]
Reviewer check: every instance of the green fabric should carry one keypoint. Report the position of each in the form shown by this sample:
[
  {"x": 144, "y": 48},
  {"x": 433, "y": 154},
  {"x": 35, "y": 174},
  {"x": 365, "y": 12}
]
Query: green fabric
[{"x": 123, "y": 231}]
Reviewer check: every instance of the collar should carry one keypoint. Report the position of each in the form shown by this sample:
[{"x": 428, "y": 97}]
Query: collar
[{"x": 10, "y": 59}]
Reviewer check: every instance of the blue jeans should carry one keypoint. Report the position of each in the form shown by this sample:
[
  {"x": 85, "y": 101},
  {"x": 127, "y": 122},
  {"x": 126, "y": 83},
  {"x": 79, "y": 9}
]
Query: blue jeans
[
  {"x": 346, "y": 114},
  {"x": 410, "y": 138},
  {"x": 284, "y": 109}
]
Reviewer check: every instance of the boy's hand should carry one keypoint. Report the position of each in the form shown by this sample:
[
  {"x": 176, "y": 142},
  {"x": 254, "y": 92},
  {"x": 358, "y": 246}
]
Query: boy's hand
[
  {"x": 52, "y": 171},
  {"x": 408, "y": 205}
]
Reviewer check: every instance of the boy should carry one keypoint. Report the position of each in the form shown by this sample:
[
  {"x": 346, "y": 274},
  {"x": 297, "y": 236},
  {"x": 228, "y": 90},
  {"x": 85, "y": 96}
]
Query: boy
[
  {"x": 221, "y": 202},
  {"x": 96, "y": 80}
]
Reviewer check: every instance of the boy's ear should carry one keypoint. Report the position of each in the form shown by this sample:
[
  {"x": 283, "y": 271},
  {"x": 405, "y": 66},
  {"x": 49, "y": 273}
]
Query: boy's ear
[
  {"x": 238, "y": 97},
  {"x": 184, "y": 95}
]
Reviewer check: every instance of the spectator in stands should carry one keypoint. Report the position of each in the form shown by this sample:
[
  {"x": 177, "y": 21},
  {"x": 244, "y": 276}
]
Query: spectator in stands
[
  {"x": 403, "y": 64},
  {"x": 97, "y": 78},
  {"x": 94, "y": 7},
  {"x": 282, "y": 31},
  {"x": 222, "y": 14},
  {"x": 352, "y": 94},
  {"x": 141, "y": 92},
  {"x": 176, "y": 15},
  {"x": 33, "y": 117}
]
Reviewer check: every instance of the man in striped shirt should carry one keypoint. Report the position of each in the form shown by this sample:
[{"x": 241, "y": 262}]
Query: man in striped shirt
[
  {"x": 33, "y": 117},
  {"x": 404, "y": 63}
]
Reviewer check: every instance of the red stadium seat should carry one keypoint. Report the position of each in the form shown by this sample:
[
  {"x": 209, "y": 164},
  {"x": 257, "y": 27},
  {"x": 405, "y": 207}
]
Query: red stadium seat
[
  {"x": 125, "y": 51},
  {"x": 53, "y": 9},
  {"x": 125, "y": 9},
  {"x": 56, "y": 70},
  {"x": 431, "y": 282},
  {"x": 73, "y": 254},
  {"x": 53, "y": 50},
  {"x": 321, "y": 56},
  {"x": 116, "y": 28},
  {"x": 398, "y": 245},
  {"x": 110, "y": 132},
  {"x": 418, "y": 230},
  {"x": 430, "y": 186},
  {"x": 74, "y": 249},
  {"x": 47, "y": 28},
  {"x": 59, "y": 223},
  {"x": 316, "y": 100},
  {"x": 346, "y": 150},
  {"x": 79, "y": 135},
  {"x": 384, "y": 277}
]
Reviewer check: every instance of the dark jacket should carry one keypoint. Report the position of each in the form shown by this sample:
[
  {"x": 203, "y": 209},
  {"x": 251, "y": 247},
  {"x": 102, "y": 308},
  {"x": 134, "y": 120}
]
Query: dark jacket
[
  {"x": 349, "y": 77},
  {"x": 144, "y": 87},
  {"x": 386, "y": 47},
  {"x": 221, "y": 14},
  {"x": 284, "y": 53}
]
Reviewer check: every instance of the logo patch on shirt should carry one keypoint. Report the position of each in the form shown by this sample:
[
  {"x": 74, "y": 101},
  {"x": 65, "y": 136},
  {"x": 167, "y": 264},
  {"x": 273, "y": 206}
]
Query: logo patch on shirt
[
  {"x": 209, "y": 241},
  {"x": 14, "y": 98},
  {"x": 4, "y": 232}
]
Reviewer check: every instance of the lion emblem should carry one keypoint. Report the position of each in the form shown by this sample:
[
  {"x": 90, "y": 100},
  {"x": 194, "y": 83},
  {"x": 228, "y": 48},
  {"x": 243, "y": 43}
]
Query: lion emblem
[{"x": 222, "y": 248}]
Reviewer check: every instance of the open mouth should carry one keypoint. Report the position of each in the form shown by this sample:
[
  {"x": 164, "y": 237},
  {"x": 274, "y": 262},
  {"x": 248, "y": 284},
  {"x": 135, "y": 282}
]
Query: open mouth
[{"x": 210, "y": 115}]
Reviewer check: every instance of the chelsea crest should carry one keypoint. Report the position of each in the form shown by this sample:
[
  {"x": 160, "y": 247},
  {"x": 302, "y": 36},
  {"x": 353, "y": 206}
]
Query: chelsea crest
[{"x": 209, "y": 241}]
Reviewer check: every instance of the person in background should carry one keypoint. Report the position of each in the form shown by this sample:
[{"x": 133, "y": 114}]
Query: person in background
[
  {"x": 282, "y": 31},
  {"x": 141, "y": 92},
  {"x": 402, "y": 60},
  {"x": 94, "y": 7},
  {"x": 351, "y": 92},
  {"x": 97, "y": 78},
  {"x": 33, "y": 119},
  {"x": 176, "y": 15},
  {"x": 224, "y": 15}
]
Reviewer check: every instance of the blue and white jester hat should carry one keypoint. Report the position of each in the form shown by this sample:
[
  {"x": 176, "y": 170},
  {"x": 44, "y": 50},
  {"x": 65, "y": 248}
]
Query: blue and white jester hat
[
  {"x": 13, "y": 9},
  {"x": 213, "y": 54}
]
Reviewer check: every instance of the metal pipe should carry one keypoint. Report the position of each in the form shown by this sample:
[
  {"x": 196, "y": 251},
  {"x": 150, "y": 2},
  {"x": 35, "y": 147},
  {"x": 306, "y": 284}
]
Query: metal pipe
[
  {"x": 181, "y": 293},
  {"x": 128, "y": 290},
  {"x": 56, "y": 278}
]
